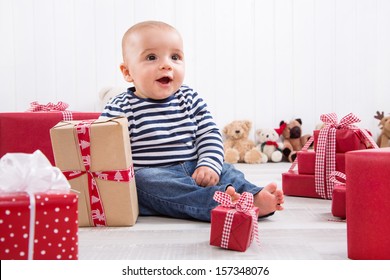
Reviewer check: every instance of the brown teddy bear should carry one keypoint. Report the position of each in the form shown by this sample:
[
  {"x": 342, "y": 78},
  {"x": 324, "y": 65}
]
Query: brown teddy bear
[
  {"x": 237, "y": 146},
  {"x": 293, "y": 140},
  {"x": 384, "y": 123}
]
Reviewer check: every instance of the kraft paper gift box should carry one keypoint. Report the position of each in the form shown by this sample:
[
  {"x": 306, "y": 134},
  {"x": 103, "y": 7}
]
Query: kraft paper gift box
[
  {"x": 231, "y": 229},
  {"x": 26, "y": 132},
  {"x": 339, "y": 201},
  {"x": 307, "y": 159},
  {"x": 107, "y": 191},
  {"x": 368, "y": 204},
  {"x": 38, "y": 214}
]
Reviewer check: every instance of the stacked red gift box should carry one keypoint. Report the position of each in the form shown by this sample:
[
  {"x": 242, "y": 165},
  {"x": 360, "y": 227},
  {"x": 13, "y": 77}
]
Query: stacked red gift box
[
  {"x": 26, "y": 132},
  {"x": 316, "y": 167}
]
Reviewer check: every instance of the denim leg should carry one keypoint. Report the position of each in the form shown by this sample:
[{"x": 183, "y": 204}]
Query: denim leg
[{"x": 170, "y": 191}]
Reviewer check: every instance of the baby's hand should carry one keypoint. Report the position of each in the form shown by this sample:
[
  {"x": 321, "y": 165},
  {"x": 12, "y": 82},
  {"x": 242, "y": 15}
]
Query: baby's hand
[{"x": 205, "y": 176}]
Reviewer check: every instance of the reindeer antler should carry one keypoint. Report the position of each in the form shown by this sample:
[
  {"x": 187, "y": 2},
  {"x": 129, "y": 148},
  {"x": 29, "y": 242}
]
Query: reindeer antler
[{"x": 379, "y": 115}]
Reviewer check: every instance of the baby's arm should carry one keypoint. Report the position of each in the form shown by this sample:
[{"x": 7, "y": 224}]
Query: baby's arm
[{"x": 205, "y": 176}]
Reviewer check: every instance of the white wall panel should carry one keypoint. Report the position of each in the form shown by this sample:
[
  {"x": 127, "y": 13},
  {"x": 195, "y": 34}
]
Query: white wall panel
[
  {"x": 7, "y": 57},
  {"x": 263, "y": 60}
]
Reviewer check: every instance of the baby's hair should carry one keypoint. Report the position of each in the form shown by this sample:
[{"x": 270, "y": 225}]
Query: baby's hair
[{"x": 145, "y": 25}]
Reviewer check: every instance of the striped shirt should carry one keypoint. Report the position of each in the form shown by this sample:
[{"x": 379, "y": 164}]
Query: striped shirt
[{"x": 169, "y": 131}]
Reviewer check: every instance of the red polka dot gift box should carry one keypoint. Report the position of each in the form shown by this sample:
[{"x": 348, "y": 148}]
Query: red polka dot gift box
[
  {"x": 38, "y": 213},
  {"x": 48, "y": 232}
]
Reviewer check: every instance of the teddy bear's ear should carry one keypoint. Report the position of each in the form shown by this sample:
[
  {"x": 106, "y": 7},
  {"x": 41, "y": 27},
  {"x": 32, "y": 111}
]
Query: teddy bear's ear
[
  {"x": 281, "y": 123},
  {"x": 299, "y": 120},
  {"x": 248, "y": 125}
]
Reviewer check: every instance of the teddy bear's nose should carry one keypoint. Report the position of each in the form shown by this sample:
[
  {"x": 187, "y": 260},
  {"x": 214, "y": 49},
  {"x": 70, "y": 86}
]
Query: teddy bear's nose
[
  {"x": 237, "y": 131},
  {"x": 295, "y": 132}
]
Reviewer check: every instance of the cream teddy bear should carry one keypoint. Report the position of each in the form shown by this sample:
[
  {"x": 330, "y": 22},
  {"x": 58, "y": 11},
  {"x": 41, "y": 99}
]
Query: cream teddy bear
[
  {"x": 268, "y": 142},
  {"x": 237, "y": 146}
]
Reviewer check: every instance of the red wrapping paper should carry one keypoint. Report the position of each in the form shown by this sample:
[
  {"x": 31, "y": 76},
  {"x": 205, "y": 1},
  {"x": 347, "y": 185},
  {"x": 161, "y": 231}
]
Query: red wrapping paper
[
  {"x": 26, "y": 132},
  {"x": 241, "y": 230},
  {"x": 307, "y": 159},
  {"x": 338, "y": 201},
  {"x": 55, "y": 232},
  {"x": 368, "y": 207},
  {"x": 295, "y": 184},
  {"x": 346, "y": 140}
]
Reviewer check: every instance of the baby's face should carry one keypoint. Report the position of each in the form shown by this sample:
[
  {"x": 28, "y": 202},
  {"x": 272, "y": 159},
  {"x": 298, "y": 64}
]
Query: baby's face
[{"x": 154, "y": 59}]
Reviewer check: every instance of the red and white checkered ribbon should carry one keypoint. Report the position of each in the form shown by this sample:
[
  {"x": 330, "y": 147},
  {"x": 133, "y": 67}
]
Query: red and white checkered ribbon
[
  {"x": 337, "y": 174},
  {"x": 243, "y": 204},
  {"x": 36, "y": 107},
  {"x": 304, "y": 148},
  {"x": 51, "y": 107},
  {"x": 84, "y": 141},
  {"x": 325, "y": 162}
]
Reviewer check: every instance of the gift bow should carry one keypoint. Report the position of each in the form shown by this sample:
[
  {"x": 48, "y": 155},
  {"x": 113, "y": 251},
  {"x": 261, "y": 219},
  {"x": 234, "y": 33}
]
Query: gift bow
[
  {"x": 333, "y": 177},
  {"x": 245, "y": 205},
  {"x": 51, "y": 107},
  {"x": 36, "y": 107},
  {"x": 84, "y": 141},
  {"x": 326, "y": 149},
  {"x": 30, "y": 173}
]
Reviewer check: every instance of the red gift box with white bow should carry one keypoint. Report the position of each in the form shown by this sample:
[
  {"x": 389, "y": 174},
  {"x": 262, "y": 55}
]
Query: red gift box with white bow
[
  {"x": 17, "y": 127},
  {"x": 367, "y": 201},
  {"x": 234, "y": 225},
  {"x": 50, "y": 233},
  {"x": 38, "y": 213}
]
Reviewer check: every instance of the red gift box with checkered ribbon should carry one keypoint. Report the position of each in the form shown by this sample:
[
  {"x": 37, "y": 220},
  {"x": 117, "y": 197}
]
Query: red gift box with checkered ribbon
[
  {"x": 234, "y": 224},
  {"x": 335, "y": 137},
  {"x": 34, "y": 125}
]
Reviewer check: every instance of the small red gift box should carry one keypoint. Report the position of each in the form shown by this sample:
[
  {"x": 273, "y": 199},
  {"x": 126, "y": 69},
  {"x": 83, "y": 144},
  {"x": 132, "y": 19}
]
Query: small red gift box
[
  {"x": 231, "y": 227},
  {"x": 53, "y": 235},
  {"x": 368, "y": 207},
  {"x": 17, "y": 127},
  {"x": 307, "y": 161},
  {"x": 295, "y": 184},
  {"x": 338, "y": 201},
  {"x": 346, "y": 140}
]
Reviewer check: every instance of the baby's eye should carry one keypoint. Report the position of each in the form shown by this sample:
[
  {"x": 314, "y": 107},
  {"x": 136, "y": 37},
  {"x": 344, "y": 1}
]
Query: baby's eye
[
  {"x": 175, "y": 57},
  {"x": 151, "y": 57}
]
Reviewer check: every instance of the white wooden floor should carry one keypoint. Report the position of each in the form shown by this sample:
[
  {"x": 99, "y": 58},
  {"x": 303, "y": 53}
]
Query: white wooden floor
[{"x": 305, "y": 230}]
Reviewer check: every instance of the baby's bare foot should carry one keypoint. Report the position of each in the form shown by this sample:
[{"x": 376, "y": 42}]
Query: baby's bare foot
[{"x": 269, "y": 199}]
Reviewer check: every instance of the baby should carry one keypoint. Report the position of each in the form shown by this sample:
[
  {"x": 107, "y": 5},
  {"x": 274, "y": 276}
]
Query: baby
[{"x": 176, "y": 146}]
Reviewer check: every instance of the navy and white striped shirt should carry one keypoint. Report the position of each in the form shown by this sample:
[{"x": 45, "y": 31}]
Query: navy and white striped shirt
[{"x": 169, "y": 131}]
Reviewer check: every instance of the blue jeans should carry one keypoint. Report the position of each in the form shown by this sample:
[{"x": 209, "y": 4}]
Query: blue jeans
[{"x": 170, "y": 191}]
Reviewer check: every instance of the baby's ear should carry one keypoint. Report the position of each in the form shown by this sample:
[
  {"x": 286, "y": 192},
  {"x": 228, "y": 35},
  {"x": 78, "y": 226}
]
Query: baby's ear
[{"x": 126, "y": 73}]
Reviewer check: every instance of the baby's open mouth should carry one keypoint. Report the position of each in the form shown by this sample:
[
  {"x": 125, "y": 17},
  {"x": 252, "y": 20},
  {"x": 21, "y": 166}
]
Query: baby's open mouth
[{"x": 164, "y": 80}]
